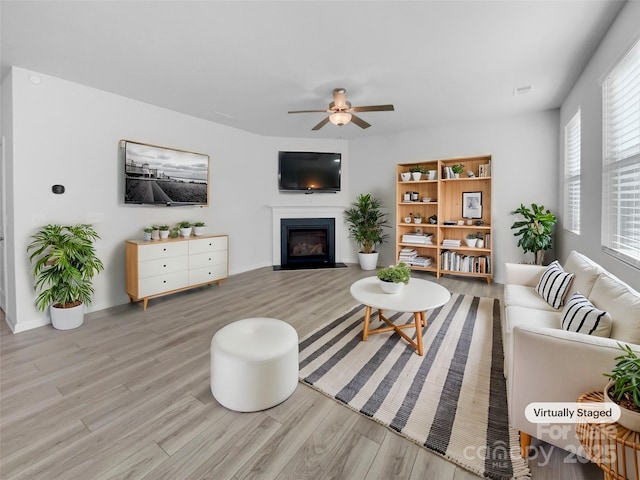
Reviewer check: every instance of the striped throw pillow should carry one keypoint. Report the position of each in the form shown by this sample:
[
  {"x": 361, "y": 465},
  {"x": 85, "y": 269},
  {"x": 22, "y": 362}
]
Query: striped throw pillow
[
  {"x": 579, "y": 315},
  {"x": 553, "y": 284}
]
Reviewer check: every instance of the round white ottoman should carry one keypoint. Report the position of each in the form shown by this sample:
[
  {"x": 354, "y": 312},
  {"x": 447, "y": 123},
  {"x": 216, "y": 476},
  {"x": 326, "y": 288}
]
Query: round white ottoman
[{"x": 254, "y": 364}]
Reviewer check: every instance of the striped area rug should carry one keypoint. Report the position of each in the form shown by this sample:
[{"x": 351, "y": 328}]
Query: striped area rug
[{"x": 452, "y": 400}]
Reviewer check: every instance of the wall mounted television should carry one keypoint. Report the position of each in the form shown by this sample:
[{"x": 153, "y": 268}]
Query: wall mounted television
[
  {"x": 309, "y": 171},
  {"x": 156, "y": 175}
]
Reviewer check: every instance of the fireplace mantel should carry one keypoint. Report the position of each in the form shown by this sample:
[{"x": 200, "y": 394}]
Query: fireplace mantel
[{"x": 306, "y": 211}]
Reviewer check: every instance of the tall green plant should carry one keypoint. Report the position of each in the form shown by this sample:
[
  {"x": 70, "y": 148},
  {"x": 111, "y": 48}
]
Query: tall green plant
[
  {"x": 366, "y": 222},
  {"x": 626, "y": 376},
  {"x": 64, "y": 263},
  {"x": 535, "y": 230}
]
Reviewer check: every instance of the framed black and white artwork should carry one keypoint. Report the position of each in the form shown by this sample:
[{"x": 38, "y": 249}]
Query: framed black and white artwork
[{"x": 472, "y": 204}]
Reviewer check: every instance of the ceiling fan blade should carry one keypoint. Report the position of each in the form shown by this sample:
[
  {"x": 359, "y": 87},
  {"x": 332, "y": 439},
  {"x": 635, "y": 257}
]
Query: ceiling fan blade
[
  {"x": 321, "y": 124},
  {"x": 307, "y": 111},
  {"x": 360, "y": 122},
  {"x": 372, "y": 108}
]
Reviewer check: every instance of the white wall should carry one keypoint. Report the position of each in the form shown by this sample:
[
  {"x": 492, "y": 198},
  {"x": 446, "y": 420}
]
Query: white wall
[
  {"x": 66, "y": 133},
  {"x": 524, "y": 152},
  {"x": 587, "y": 96}
]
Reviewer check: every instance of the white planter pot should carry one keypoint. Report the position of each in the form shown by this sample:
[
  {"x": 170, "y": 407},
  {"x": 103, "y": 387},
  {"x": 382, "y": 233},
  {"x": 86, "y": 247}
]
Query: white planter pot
[
  {"x": 67, "y": 318},
  {"x": 368, "y": 261},
  {"x": 432, "y": 174},
  {"x": 390, "y": 287},
  {"x": 417, "y": 219},
  {"x": 416, "y": 175},
  {"x": 471, "y": 242},
  {"x": 155, "y": 235},
  {"x": 480, "y": 243},
  {"x": 164, "y": 233},
  {"x": 628, "y": 418},
  {"x": 406, "y": 176},
  {"x": 146, "y": 236},
  {"x": 198, "y": 231},
  {"x": 185, "y": 232}
]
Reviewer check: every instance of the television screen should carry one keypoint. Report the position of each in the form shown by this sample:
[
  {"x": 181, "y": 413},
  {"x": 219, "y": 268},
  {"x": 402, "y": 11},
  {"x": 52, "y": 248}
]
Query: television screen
[
  {"x": 164, "y": 176},
  {"x": 309, "y": 171}
]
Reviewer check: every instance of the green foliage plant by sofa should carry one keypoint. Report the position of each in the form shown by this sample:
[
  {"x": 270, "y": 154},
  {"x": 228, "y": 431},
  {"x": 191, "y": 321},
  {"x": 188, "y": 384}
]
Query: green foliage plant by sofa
[
  {"x": 64, "y": 263},
  {"x": 399, "y": 273},
  {"x": 625, "y": 378},
  {"x": 535, "y": 231},
  {"x": 366, "y": 222}
]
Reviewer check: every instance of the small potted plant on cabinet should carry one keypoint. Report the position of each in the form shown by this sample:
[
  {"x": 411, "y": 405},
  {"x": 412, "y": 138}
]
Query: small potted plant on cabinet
[
  {"x": 164, "y": 231},
  {"x": 471, "y": 240},
  {"x": 457, "y": 170},
  {"x": 394, "y": 277},
  {"x": 623, "y": 388},
  {"x": 147, "y": 233},
  {"x": 155, "y": 232},
  {"x": 185, "y": 228},
  {"x": 416, "y": 172},
  {"x": 199, "y": 228},
  {"x": 366, "y": 221},
  {"x": 64, "y": 263}
]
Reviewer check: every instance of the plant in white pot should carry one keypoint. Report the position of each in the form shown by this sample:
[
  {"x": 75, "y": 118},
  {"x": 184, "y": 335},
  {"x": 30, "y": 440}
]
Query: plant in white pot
[
  {"x": 185, "y": 228},
  {"x": 394, "y": 277},
  {"x": 366, "y": 223},
  {"x": 199, "y": 228},
  {"x": 624, "y": 388},
  {"x": 146, "y": 233},
  {"x": 64, "y": 263},
  {"x": 164, "y": 231}
]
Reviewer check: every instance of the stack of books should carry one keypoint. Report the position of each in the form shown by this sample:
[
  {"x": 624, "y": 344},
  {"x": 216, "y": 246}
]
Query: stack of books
[
  {"x": 407, "y": 255},
  {"x": 421, "y": 262},
  {"x": 450, "y": 242},
  {"x": 421, "y": 238}
]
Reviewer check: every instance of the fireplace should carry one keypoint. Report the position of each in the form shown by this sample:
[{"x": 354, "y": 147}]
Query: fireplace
[{"x": 307, "y": 242}]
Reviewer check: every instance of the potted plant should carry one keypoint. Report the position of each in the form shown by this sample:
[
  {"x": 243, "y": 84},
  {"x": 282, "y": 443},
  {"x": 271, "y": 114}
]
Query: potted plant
[
  {"x": 416, "y": 172},
  {"x": 405, "y": 176},
  {"x": 471, "y": 240},
  {"x": 535, "y": 230},
  {"x": 394, "y": 277},
  {"x": 155, "y": 232},
  {"x": 64, "y": 263},
  {"x": 623, "y": 388},
  {"x": 199, "y": 228},
  {"x": 480, "y": 240},
  {"x": 185, "y": 228},
  {"x": 147, "y": 233},
  {"x": 457, "y": 169},
  {"x": 164, "y": 231},
  {"x": 366, "y": 222}
]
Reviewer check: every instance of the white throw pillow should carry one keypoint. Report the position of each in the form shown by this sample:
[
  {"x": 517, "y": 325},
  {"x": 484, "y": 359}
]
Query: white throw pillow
[
  {"x": 622, "y": 303},
  {"x": 579, "y": 315},
  {"x": 553, "y": 284}
]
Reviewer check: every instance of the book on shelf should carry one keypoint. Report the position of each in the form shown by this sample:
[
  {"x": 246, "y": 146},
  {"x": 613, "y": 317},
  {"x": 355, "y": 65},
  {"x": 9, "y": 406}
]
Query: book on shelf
[
  {"x": 450, "y": 242},
  {"x": 457, "y": 262},
  {"x": 421, "y": 262},
  {"x": 484, "y": 170},
  {"x": 421, "y": 238}
]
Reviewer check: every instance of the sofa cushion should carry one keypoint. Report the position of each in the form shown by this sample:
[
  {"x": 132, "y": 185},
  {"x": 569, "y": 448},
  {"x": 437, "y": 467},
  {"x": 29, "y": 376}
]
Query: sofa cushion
[
  {"x": 523, "y": 296},
  {"x": 579, "y": 315},
  {"x": 586, "y": 273},
  {"x": 553, "y": 284},
  {"x": 622, "y": 303}
]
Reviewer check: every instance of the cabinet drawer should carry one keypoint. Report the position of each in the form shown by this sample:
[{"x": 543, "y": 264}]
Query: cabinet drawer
[
  {"x": 162, "y": 250},
  {"x": 207, "y": 274},
  {"x": 207, "y": 245},
  {"x": 152, "y": 268},
  {"x": 207, "y": 259},
  {"x": 162, "y": 283}
]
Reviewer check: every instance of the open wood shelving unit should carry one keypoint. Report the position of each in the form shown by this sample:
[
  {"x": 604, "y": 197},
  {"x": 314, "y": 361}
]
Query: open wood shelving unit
[{"x": 446, "y": 203}]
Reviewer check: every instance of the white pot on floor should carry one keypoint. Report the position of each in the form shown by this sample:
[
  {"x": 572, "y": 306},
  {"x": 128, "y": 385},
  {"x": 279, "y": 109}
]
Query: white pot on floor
[
  {"x": 67, "y": 318},
  {"x": 368, "y": 261}
]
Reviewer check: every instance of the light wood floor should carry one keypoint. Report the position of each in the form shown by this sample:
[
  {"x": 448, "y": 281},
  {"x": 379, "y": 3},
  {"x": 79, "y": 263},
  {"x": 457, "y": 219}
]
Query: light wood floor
[{"x": 127, "y": 396}]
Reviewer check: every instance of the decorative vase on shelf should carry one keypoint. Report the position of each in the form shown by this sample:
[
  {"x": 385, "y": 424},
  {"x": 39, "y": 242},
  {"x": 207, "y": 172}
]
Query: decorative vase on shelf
[
  {"x": 480, "y": 243},
  {"x": 416, "y": 176},
  {"x": 405, "y": 176},
  {"x": 471, "y": 242}
]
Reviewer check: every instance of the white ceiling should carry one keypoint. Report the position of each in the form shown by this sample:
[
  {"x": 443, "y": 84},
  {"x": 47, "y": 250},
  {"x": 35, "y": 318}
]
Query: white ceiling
[{"x": 245, "y": 64}]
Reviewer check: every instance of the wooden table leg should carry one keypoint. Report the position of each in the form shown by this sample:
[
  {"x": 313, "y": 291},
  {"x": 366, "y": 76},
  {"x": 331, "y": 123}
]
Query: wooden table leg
[
  {"x": 419, "y": 322},
  {"x": 367, "y": 318}
]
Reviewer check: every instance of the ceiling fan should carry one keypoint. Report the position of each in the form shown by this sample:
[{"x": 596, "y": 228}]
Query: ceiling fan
[{"x": 341, "y": 112}]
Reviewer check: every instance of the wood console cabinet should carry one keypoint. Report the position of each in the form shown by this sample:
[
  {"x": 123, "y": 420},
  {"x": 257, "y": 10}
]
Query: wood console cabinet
[
  {"x": 438, "y": 200},
  {"x": 161, "y": 267}
]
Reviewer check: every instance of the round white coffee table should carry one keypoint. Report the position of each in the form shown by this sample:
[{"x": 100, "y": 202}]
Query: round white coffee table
[{"x": 419, "y": 295}]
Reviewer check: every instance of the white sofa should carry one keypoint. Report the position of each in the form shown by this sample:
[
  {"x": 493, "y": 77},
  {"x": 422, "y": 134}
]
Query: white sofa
[{"x": 543, "y": 362}]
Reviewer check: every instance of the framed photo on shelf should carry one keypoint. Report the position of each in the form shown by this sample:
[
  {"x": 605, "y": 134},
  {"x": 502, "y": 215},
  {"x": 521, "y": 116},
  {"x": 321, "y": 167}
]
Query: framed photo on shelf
[{"x": 472, "y": 204}]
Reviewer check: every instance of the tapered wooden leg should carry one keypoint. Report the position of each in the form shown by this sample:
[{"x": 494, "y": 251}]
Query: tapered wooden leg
[
  {"x": 419, "y": 320},
  {"x": 525, "y": 442},
  {"x": 367, "y": 318}
]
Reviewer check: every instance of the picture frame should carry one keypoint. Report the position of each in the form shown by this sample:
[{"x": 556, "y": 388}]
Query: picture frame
[{"x": 472, "y": 204}]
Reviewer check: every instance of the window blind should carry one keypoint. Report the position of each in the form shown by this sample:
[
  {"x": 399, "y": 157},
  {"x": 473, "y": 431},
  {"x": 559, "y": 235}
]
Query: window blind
[
  {"x": 572, "y": 174},
  {"x": 621, "y": 159}
]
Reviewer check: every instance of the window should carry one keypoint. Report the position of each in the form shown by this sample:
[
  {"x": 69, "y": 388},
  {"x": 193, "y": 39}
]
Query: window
[
  {"x": 621, "y": 160},
  {"x": 572, "y": 174}
]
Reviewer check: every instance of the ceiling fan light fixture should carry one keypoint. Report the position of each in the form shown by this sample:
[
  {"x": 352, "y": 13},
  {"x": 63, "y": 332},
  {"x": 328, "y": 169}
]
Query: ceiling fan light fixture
[{"x": 340, "y": 118}]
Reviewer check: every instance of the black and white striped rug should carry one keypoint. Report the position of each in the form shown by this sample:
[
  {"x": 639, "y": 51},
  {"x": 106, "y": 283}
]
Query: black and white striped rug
[{"x": 452, "y": 400}]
